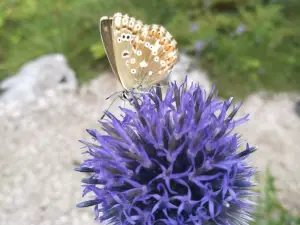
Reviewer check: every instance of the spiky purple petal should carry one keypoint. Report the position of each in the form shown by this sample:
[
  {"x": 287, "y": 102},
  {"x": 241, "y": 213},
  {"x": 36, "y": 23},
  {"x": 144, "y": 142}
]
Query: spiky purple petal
[{"x": 171, "y": 160}]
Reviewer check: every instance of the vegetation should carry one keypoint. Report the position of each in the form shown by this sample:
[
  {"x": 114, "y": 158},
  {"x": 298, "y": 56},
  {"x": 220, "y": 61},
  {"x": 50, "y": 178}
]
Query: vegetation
[
  {"x": 269, "y": 210},
  {"x": 245, "y": 45}
]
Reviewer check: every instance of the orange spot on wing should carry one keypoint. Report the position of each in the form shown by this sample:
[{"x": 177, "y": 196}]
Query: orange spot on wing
[
  {"x": 151, "y": 33},
  {"x": 170, "y": 60},
  {"x": 134, "y": 44},
  {"x": 169, "y": 48}
]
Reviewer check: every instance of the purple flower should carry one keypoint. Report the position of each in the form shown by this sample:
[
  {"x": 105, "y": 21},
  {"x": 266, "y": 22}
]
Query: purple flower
[
  {"x": 240, "y": 29},
  {"x": 171, "y": 160},
  {"x": 194, "y": 27},
  {"x": 199, "y": 45}
]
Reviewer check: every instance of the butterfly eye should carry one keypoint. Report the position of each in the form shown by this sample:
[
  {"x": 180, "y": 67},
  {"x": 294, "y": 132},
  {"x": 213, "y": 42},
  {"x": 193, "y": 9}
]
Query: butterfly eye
[
  {"x": 123, "y": 37},
  {"x": 128, "y": 37},
  {"x": 156, "y": 59},
  {"x": 139, "y": 52},
  {"x": 133, "y": 71}
]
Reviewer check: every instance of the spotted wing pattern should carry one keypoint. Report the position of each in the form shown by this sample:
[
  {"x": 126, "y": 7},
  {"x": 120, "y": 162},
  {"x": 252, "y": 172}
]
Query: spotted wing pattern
[{"x": 139, "y": 54}]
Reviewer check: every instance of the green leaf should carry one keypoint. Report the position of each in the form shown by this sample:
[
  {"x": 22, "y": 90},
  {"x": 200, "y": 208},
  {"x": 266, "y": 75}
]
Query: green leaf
[{"x": 97, "y": 50}]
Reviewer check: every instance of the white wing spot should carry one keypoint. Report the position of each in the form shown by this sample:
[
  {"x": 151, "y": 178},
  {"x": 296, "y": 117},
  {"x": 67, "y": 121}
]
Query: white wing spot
[
  {"x": 150, "y": 73},
  {"x": 119, "y": 40},
  {"x": 143, "y": 64},
  {"x": 156, "y": 59},
  {"x": 139, "y": 53},
  {"x": 133, "y": 71},
  {"x": 125, "y": 21},
  {"x": 147, "y": 44},
  {"x": 170, "y": 54},
  {"x": 118, "y": 21},
  {"x": 162, "y": 63},
  {"x": 132, "y": 60}
]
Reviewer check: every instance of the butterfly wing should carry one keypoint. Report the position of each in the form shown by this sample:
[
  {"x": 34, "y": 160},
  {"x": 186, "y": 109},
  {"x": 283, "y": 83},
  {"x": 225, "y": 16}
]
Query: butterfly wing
[
  {"x": 144, "y": 54},
  {"x": 105, "y": 27}
]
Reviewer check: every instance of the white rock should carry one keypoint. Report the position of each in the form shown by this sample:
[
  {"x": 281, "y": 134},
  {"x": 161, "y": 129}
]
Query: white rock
[
  {"x": 274, "y": 127},
  {"x": 185, "y": 68},
  {"x": 45, "y": 74}
]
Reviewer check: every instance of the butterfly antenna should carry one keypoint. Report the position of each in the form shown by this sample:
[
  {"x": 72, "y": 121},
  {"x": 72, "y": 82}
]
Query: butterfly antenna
[
  {"x": 102, "y": 117},
  {"x": 118, "y": 92}
]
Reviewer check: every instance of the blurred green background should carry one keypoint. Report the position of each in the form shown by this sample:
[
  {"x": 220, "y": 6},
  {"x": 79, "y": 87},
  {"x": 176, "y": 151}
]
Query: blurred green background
[{"x": 244, "y": 45}]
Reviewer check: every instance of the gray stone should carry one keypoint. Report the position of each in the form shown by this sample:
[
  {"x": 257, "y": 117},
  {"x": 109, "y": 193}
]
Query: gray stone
[
  {"x": 274, "y": 128},
  {"x": 39, "y": 151},
  {"x": 38, "y": 77},
  {"x": 297, "y": 108},
  {"x": 184, "y": 67}
]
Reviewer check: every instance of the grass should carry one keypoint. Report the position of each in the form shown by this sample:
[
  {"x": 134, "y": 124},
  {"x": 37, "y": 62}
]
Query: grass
[
  {"x": 269, "y": 210},
  {"x": 265, "y": 56}
]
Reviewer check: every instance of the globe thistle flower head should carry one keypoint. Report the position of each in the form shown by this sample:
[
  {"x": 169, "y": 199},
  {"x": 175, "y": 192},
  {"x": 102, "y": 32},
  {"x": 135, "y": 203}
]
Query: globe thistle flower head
[{"x": 172, "y": 160}]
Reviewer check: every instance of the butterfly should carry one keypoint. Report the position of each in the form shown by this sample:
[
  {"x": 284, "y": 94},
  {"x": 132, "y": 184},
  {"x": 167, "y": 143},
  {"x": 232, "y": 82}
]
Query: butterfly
[{"x": 140, "y": 55}]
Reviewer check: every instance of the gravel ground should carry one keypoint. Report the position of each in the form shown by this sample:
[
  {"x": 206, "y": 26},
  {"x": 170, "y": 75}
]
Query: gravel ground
[
  {"x": 40, "y": 148},
  {"x": 274, "y": 127}
]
